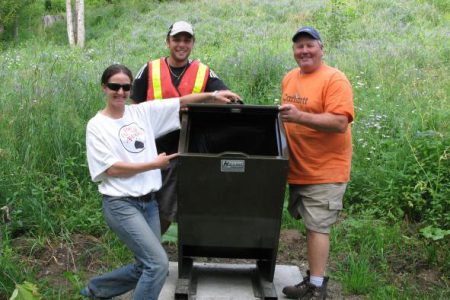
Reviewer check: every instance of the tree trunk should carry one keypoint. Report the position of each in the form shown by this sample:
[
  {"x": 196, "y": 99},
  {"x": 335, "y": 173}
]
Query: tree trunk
[
  {"x": 80, "y": 22},
  {"x": 16, "y": 27},
  {"x": 70, "y": 31}
]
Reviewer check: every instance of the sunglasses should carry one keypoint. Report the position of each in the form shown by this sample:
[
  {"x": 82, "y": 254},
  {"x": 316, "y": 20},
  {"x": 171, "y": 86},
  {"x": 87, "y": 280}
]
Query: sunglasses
[{"x": 116, "y": 86}]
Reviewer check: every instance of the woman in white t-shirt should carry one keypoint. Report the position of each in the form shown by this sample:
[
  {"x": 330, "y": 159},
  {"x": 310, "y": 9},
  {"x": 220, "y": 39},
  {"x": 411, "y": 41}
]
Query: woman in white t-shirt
[{"x": 122, "y": 156}]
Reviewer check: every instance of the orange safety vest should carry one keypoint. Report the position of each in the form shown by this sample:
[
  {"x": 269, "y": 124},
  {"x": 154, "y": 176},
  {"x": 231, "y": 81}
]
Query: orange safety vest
[{"x": 160, "y": 84}]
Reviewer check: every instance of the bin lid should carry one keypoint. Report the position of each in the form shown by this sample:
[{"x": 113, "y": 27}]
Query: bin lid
[
  {"x": 219, "y": 128},
  {"x": 234, "y": 108}
]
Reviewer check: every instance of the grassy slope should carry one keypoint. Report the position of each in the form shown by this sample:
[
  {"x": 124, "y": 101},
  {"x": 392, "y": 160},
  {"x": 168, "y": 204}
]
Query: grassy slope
[{"x": 395, "y": 54}]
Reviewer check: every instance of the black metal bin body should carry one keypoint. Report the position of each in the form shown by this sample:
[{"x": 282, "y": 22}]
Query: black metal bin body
[{"x": 232, "y": 174}]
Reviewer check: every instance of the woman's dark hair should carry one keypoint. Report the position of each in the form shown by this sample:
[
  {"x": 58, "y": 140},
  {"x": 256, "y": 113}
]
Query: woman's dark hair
[{"x": 113, "y": 70}]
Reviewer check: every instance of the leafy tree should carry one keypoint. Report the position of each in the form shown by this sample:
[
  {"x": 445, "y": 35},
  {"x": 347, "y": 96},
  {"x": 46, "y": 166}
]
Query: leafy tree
[
  {"x": 9, "y": 14},
  {"x": 55, "y": 6}
]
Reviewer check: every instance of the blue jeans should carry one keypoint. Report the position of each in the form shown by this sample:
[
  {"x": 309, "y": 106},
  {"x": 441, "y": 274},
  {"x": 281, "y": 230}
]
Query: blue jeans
[{"x": 136, "y": 223}]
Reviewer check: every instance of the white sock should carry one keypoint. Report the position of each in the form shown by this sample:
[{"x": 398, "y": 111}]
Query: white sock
[{"x": 316, "y": 280}]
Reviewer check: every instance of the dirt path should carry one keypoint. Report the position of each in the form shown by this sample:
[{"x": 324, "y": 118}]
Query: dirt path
[{"x": 55, "y": 260}]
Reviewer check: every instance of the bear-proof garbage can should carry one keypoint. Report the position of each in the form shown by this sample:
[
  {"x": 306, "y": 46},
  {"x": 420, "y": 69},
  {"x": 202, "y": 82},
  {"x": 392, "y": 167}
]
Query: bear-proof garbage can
[{"x": 232, "y": 173}]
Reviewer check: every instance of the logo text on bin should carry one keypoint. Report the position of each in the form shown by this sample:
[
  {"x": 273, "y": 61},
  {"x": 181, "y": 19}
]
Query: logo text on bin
[{"x": 232, "y": 165}]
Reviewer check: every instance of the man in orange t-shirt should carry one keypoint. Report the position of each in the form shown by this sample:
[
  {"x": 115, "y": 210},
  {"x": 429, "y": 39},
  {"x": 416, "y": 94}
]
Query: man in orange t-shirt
[{"x": 317, "y": 109}]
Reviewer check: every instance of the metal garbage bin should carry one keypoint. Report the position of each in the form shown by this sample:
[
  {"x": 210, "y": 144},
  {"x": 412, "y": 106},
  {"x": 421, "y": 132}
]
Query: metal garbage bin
[{"x": 232, "y": 173}]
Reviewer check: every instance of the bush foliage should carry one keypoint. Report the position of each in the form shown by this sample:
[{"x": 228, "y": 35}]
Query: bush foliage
[{"x": 401, "y": 131}]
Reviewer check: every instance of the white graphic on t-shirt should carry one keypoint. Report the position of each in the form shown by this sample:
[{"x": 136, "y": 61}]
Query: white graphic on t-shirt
[{"x": 132, "y": 138}]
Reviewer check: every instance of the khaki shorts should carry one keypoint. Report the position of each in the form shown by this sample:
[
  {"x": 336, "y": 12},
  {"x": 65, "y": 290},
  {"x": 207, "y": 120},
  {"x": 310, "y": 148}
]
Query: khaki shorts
[{"x": 317, "y": 204}]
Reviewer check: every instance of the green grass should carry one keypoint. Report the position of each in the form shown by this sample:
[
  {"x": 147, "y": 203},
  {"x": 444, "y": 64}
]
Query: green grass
[
  {"x": 394, "y": 53},
  {"x": 371, "y": 257}
]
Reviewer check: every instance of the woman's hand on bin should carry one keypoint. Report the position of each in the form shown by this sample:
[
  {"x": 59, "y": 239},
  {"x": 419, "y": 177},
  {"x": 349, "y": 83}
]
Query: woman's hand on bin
[
  {"x": 163, "y": 160},
  {"x": 126, "y": 169}
]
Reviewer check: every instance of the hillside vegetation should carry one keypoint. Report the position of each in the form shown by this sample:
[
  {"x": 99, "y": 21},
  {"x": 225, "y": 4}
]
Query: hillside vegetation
[{"x": 395, "y": 53}]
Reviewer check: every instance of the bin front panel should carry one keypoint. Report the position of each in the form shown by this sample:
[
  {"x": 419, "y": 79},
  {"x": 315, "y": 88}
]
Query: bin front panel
[{"x": 236, "y": 208}]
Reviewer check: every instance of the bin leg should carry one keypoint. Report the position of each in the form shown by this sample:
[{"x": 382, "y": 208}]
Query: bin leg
[
  {"x": 266, "y": 268},
  {"x": 186, "y": 282},
  {"x": 263, "y": 288},
  {"x": 185, "y": 265}
]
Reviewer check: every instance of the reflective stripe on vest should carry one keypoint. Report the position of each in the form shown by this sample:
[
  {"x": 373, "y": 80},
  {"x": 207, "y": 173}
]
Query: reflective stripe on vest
[
  {"x": 156, "y": 79},
  {"x": 160, "y": 84},
  {"x": 199, "y": 80}
]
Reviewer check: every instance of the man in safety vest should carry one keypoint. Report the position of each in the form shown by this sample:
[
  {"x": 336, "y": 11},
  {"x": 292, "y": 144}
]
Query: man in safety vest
[{"x": 168, "y": 77}]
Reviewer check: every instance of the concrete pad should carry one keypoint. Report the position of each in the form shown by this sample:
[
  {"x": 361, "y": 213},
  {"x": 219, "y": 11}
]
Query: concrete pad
[{"x": 226, "y": 281}]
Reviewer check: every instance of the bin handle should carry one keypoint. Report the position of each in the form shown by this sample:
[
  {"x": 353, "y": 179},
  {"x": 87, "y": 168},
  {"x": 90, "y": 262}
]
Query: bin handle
[{"x": 231, "y": 153}]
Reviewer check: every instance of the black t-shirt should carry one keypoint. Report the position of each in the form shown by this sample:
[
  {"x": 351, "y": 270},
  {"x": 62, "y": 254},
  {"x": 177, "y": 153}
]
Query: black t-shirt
[
  {"x": 140, "y": 84},
  {"x": 169, "y": 143}
]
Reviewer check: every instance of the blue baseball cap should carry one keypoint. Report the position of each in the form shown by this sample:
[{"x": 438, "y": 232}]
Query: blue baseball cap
[{"x": 312, "y": 32}]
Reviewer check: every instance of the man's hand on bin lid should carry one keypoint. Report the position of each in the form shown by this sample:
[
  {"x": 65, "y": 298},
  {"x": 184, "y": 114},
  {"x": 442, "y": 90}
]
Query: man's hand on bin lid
[
  {"x": 225, "y": 96},
  {"x": 288, "y": 113},
  {"x": 236, "y": 102}
]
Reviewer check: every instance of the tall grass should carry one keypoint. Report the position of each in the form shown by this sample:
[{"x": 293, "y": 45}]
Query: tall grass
[{"x": 395, "y": 54}]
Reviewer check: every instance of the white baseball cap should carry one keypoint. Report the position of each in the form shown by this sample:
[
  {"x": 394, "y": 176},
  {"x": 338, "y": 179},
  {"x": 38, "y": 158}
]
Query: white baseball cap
[{"x": 181, "y": 26}]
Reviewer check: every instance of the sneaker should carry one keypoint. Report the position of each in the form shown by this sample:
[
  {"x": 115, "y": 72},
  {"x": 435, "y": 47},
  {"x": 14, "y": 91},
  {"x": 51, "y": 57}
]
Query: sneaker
[
  {"x": 298, "y": 290},
  {"x": 86, "y": 292},
  {"x": 315, "y": 292}
]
